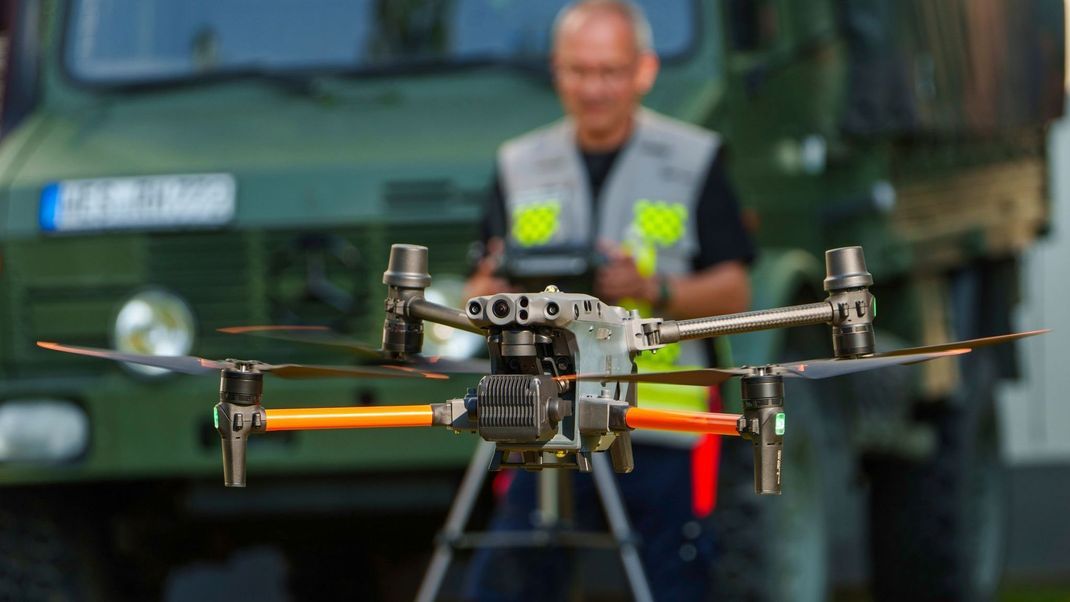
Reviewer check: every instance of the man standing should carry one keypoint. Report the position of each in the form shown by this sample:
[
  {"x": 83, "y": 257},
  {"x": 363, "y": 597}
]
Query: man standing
[{"x": 652, "y": 193}]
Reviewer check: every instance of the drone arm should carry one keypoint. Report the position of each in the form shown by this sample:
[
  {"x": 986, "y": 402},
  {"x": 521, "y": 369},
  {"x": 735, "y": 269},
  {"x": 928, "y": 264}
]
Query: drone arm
[
  {"x": 298, "y": 419},
  {"x": 675, "y": 420},
  {"x": 849, "y": 309},
  {"x": 423, "y": 309},
  {"x": 406, "y": 279},
  {"x": 783, "y": 317},
  {"x": 452, "y": 414}
]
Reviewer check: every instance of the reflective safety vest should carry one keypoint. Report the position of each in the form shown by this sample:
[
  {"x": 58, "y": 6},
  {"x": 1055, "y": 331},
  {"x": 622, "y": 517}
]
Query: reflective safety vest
[{"x": 647, "y": 204}]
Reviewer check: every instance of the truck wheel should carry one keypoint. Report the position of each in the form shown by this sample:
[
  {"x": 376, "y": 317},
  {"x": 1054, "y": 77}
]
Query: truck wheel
[
  {"x": 938, "y": 526},
  {"x": 775, "y": 547},
  {"x": 41, "y": 557}
]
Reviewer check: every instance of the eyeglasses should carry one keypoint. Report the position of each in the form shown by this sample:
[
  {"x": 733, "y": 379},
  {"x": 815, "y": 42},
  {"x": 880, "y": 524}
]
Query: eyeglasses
[{"x": 606, "y": 75}]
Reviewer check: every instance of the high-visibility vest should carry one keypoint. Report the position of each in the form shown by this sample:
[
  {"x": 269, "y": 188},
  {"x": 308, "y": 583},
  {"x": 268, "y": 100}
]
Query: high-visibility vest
[{"x": 647, "y": 204}]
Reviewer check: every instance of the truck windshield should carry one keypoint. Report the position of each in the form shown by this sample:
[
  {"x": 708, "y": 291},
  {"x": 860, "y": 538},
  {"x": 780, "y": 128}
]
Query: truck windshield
[{"x": 136, "y": 41}]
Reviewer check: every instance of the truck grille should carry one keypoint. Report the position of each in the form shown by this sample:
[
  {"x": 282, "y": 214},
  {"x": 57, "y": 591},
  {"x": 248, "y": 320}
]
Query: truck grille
[{"x": 69, "y": 289}]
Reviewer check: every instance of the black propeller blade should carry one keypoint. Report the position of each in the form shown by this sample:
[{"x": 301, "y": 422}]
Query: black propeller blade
[
  {"x": 970, "y": 344},
  {"x": 196, "y": 365},
  {"x": 702, "y": 377},
  {"x": 825, "y": 368},
  {"x": 185, "y": 364},
  {"x": 322, "y": 335},
  {"x": 316, "y": 335},
  {"x": 828, "y": 368}
]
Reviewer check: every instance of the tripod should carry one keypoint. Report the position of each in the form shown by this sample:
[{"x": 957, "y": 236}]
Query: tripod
[{"x": 554, "y": 504}]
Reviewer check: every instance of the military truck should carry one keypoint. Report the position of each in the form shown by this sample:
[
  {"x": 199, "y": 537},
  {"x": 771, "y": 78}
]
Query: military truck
[{"x": 171, "y": 168}]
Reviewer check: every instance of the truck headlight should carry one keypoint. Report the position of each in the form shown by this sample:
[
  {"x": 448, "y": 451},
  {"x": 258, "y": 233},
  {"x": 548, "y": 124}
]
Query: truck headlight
[
  {"x": 42, "y": 430},
  {"x": 154, "y": 322},
  {"x": 443, "y": 340}
]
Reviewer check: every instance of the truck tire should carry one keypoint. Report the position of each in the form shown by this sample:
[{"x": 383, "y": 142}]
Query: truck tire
[
  {"x": 775, "y": 547},
  {"x": 42, "y": 557},
  {"x": 938, "y": 526}
]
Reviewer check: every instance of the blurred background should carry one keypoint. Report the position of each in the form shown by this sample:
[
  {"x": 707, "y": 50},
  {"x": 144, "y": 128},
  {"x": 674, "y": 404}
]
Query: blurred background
[{"x": 169, "y": 168}]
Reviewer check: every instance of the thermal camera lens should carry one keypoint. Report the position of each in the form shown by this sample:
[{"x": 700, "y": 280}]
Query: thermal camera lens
[
  {"x": 500, "y": 308},
  {"x": 552, "y": 309},
  {"x": 474, "y": 308}
]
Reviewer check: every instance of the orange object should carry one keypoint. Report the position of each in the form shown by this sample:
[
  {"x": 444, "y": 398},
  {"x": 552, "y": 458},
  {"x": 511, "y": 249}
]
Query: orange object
[
  {"x": 674, "y": 420},
  {"x": 706, "y": 464},
  {"x": 347, "y": 418}
]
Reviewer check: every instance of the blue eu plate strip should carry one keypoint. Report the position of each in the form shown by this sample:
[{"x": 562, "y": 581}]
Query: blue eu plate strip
[{"x": 49, "y": 209}]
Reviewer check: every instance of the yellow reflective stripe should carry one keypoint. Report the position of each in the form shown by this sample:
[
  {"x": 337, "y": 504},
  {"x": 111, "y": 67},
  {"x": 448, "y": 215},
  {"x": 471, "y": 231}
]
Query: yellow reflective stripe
[
  {"x": 660, "y": 222},
  {"x": 669, "y": 397},
  {"x": 536, "y": 223},
  {"x": 673, "y": 397}
]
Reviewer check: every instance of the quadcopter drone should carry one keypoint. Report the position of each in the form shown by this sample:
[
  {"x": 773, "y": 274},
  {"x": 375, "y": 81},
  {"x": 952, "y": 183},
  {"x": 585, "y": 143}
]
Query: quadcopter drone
[{"x": 562, "y": 377}]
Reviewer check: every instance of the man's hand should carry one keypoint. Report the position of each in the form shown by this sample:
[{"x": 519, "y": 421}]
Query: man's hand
[
  {"x": 620, "y": 278},
  {"x": 719, "y": 289},
  {"x": 483, "y": 281}
]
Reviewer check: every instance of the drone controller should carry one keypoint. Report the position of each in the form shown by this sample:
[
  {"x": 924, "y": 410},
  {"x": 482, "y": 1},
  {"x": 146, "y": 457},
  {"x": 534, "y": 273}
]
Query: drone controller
[{"x": 569, "y": 266}]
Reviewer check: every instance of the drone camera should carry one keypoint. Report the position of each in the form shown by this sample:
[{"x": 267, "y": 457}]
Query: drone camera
[
  {"x": 501, "y": 308},
  {"x": 475, "y": 308}
]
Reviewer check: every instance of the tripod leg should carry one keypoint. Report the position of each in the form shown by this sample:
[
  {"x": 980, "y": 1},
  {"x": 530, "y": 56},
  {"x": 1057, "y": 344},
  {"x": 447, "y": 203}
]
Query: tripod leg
[
  {"x": 621, "y": 528},
  {"x": 458, "y": 517}
]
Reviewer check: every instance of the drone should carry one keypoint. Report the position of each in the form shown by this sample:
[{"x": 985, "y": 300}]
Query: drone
[{"x": 562, "y": 381}]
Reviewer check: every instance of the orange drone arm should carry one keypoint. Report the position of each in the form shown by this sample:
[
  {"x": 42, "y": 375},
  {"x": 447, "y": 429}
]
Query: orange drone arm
[
  {"x": 347, "y": 418},
  {"x": 413, "y": 416},
  {"x": 677, "y": 420}
]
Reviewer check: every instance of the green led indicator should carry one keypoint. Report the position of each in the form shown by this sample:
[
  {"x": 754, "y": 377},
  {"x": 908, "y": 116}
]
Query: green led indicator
[
  {"x": 215, "y": 417},
  {"x": 873, "y": 306},
  {"x": 779, "y": 427}
]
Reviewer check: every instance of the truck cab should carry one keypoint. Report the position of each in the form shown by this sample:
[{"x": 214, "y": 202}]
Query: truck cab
[{"x": 168, "y": 169}]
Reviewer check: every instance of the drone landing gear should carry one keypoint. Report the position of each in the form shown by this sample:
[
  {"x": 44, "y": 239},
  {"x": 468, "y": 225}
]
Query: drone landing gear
[{"x": 555, "y": 510}]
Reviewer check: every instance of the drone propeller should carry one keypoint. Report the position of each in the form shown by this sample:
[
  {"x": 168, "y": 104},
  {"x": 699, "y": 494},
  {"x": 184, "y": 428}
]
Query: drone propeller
[
  {"x": 186, "y": 364},
  {"x": 197, "y": 365},
  {"x": 969, "y": 344},
  {"x": 699, "y": 377},
  {"x": 316, "y": 335},
  {"x": 322, "y": 335},
  {"x": 828, "y": 368},
  {"x": 811, "y": 369}
]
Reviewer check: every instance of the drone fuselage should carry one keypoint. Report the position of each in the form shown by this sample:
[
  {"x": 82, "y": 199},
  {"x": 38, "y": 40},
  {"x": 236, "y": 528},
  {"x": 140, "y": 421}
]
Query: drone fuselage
[{"x": 529, "y": 404}]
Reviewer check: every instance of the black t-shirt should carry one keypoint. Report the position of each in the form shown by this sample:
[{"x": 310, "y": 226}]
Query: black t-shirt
[{"x": 721, "y": 236}]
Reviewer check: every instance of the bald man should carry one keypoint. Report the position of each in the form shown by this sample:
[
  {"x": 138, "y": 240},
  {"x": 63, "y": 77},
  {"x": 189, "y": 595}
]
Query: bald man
[{"x": 651, "y": 194}]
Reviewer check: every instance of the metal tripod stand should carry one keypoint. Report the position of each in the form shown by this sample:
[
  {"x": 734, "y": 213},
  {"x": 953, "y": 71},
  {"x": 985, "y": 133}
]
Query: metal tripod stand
[{"x": 554, "y": 504}]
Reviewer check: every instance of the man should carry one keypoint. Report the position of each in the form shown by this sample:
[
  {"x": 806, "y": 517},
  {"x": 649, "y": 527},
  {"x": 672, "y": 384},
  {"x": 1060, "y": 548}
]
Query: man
[{"x": 654, "y": 193}]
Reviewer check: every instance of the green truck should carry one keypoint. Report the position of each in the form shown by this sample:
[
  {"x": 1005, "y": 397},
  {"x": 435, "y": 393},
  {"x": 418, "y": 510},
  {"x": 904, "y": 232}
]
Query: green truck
[{"x": 171, "y": 168}]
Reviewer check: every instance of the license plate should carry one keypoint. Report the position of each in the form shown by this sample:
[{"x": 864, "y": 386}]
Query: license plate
[{"x": 136, "y": 203}]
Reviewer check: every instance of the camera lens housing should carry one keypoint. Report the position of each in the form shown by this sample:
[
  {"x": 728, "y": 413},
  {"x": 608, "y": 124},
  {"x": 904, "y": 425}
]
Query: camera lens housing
[{"x": 500, "y": 308}]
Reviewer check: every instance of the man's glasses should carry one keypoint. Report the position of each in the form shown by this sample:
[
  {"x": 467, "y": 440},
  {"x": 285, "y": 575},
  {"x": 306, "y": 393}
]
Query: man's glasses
[{"x": 607, "y": 75}]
